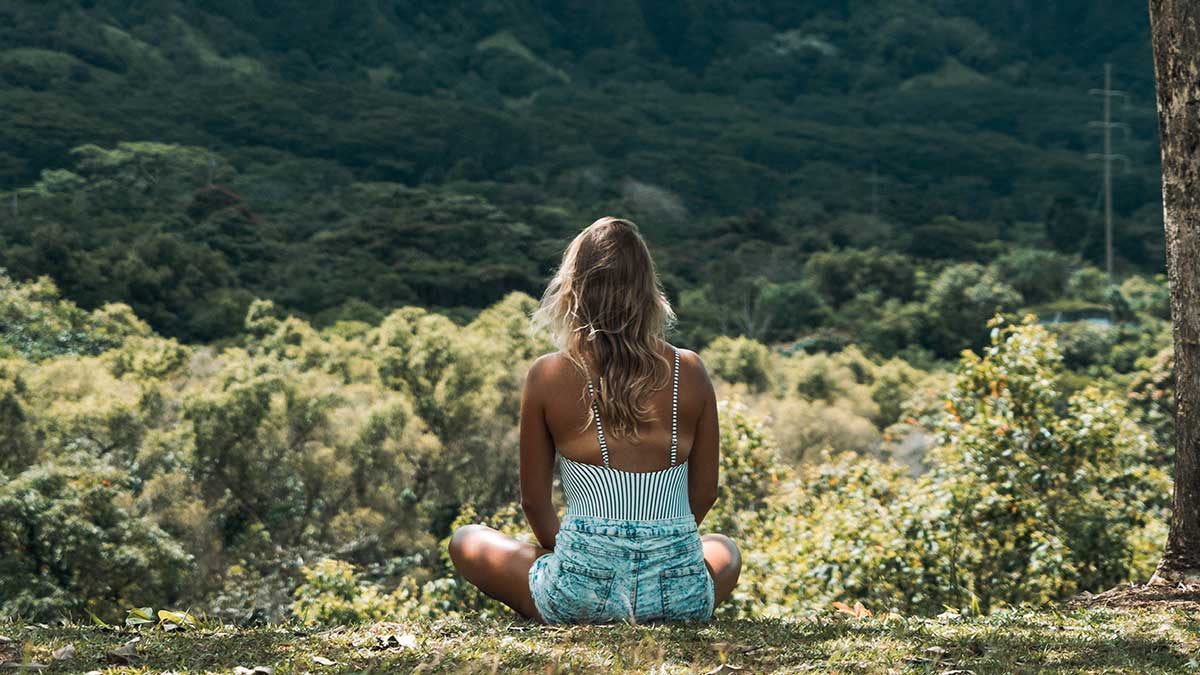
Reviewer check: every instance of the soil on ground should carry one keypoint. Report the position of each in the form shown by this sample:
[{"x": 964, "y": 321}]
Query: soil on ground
[{"x": 1182, "y": 596}]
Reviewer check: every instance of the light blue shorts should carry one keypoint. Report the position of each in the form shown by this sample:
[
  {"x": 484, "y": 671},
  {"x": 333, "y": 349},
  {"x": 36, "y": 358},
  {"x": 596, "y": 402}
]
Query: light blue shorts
[{"x": 604, "y": 570}]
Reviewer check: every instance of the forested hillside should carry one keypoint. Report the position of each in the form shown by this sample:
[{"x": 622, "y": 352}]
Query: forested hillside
[
  {"x": 344, "y": 159},
  {"x": 266, "y": 271}
]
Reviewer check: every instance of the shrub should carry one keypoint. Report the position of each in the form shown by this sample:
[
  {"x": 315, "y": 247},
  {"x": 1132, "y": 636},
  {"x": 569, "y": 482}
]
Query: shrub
[
  {"x": 739, "y": 359},
  {"x": 1037, "y": 274},
  {"x": 1146, "y": 296},
  {"x": 37, "y": 324},
  {"x": 1083, "y": 343},
  {"x": 1051, "y": 490},
  {"x": 961, "y": 297},
  {"x": 1031, "y": 496},
  {"x": 332, "y": 595},
  {"x": 750, "y": 470},
  {"x": 70, "y": 541}
]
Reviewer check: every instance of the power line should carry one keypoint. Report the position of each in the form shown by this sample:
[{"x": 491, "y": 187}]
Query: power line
[{"x": 1108, "y": 156}]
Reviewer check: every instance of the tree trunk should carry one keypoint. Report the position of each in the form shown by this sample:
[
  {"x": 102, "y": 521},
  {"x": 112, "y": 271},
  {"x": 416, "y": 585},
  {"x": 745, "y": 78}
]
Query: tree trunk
[{"x": 1175, "y": 30}]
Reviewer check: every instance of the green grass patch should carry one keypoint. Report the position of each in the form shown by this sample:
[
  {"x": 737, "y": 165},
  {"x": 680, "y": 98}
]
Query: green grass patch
[{"x": 1076, "y": 641}]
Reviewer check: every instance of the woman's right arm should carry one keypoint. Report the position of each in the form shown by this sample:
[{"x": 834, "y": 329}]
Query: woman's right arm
[
  {"x": 704, "y": 460},
  {"x": 537, "y": 459}
]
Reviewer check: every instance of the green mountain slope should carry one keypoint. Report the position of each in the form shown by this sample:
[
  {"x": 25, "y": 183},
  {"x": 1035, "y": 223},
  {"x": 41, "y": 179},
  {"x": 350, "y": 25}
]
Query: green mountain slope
[{"x": 942, "y": 130}]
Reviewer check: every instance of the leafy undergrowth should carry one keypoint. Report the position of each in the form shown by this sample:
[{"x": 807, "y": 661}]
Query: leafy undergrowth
[{"x": 1074, "y": 641}]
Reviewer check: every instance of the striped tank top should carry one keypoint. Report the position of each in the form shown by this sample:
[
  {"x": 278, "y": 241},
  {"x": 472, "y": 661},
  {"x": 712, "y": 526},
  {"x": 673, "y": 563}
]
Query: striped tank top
[{"x": 604, "y": 492}]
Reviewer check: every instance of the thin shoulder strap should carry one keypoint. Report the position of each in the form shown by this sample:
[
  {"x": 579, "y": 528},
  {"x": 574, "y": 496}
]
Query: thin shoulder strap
[
  {"x": 674, "y": 414},
  {"x": 675, "y": 408},
  {"x": 599, "y": 428}
]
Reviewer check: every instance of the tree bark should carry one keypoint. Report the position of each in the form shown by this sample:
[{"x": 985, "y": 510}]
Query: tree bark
[{"x": 1175, "y": 31}]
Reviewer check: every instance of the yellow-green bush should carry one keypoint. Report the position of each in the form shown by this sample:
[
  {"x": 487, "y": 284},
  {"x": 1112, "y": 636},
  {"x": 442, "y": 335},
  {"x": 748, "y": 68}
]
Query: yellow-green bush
[
  {"x": 844, "y": 531},
  {"x": 331, "y": 595},
  {"x": 71, "y": 541},
  {"x": 826, "y": 401},
  {"x": 369, "y": 444},
  {"x": 1031, "y": 496},
  {"x": 739, "y": 359}
]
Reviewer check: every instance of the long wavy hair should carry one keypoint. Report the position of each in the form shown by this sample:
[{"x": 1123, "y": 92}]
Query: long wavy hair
[{"x": 606, "y": 306}]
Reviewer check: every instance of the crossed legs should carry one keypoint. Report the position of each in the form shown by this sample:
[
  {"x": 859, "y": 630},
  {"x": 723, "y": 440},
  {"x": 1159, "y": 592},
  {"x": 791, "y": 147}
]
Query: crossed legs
[
  {"x": 724, "y": 563},
  {"x": 499, "y": 565}
]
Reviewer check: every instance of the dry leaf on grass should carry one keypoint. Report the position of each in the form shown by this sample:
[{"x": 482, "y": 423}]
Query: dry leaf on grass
[
  {"x": 858, "y": 611},
  {"x": 933, "y": 655},
  {"x": 256, "y": 670},
  {"x": 125, "y": 653},
  {"x": 64, "y": 653},
  {"x": 402, "y": 640},
  {"x": 9, "y": 649},
  {"x": 140, "y": 616},
  {"x": 324, "y": 661}
]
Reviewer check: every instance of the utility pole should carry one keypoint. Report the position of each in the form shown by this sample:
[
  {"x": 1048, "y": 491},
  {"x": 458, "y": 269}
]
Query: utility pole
[{"x": 1108, "y": 156}]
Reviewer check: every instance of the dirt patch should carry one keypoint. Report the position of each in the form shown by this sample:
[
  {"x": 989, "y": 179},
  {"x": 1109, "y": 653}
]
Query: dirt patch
[{"x": 1182, "y": 596}]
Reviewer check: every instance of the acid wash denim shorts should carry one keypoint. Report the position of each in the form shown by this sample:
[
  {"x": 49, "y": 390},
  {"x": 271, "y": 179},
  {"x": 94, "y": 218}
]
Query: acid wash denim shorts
[{"x": 605, "y": 570}]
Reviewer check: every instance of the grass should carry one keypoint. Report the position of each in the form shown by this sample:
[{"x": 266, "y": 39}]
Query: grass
[{"x": 1075, "y": 641}]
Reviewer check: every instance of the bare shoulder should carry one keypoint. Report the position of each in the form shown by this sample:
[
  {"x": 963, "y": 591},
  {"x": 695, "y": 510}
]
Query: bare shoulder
[
  {"x": 691, "y": 366},
  {"x": 549, "y": 368},
  {"x": 690, "y": 359},
  {"x": 540, "y": 379},
  {"x": 555, "y": 366}
]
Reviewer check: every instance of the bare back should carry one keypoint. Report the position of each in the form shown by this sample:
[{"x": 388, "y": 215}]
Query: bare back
[{"x": 566, "y": 406}]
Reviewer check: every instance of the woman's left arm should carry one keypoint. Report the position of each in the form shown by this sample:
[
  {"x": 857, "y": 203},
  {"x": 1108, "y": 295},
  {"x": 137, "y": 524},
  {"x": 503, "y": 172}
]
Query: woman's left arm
[
  {"x": 704, "y": 462},
  {"x": 537, "y": 458}
]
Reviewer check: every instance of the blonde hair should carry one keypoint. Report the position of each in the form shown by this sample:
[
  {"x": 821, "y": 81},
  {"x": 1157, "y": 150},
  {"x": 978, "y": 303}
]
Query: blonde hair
[{"x": 606, "y": 302}]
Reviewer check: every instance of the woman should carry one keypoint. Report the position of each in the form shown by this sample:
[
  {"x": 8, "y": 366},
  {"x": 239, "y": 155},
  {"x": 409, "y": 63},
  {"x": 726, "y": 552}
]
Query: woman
[{"x": 638, "y": 484}]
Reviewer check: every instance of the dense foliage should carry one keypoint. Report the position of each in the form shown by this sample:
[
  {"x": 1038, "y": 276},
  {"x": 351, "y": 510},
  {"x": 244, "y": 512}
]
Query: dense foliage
[
  {"x": 320, "y": 472},
  {"x": 816, "y": 170},
  {"x": 1031, "y": 496},
  {"x": 266, "y": 270},
  {"x": 360, "y": 442}
]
